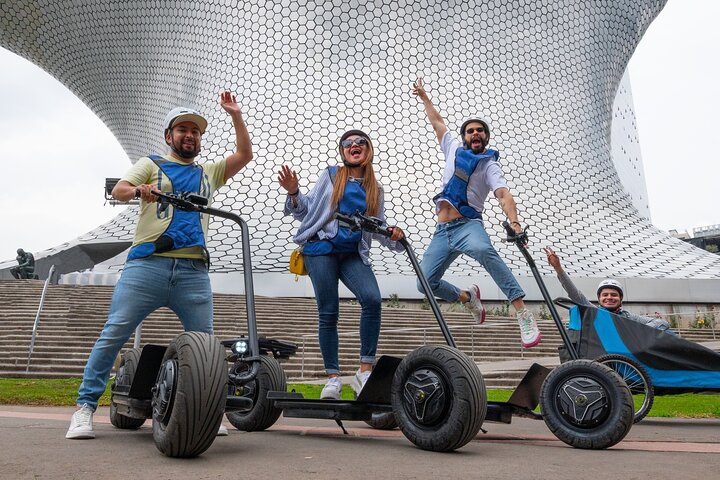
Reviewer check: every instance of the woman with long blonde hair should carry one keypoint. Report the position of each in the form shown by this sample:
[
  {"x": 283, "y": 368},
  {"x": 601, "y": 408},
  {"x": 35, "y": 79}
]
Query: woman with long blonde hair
[{"x": 334, "y": 253}]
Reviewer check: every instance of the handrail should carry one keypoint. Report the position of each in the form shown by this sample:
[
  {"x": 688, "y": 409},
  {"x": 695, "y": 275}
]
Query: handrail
[{"x": 37, "y": 317}]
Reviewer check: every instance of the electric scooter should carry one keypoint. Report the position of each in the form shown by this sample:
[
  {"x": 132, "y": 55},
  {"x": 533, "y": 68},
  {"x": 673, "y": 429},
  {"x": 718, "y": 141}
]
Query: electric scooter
[{"x": 186, "y": 387}]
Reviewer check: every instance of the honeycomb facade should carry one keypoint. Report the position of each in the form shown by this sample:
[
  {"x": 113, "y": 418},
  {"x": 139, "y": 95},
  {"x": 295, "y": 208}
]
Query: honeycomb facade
[{"x": 545, "y": 72}]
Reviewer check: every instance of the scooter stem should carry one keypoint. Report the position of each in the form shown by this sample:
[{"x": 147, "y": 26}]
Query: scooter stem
[{"x": 519, "y": 240}]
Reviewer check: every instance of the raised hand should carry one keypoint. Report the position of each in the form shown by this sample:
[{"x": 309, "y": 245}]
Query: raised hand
[
  {"x": 419, "y": 89},
  {"x": 552, "y": 258},
  {"x": 228, "y": 103},
  {"x": 288, "y": 180}
]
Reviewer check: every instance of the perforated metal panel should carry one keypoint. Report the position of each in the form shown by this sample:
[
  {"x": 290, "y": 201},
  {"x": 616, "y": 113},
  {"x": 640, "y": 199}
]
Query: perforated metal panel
[{"x": 545, "y": 72}]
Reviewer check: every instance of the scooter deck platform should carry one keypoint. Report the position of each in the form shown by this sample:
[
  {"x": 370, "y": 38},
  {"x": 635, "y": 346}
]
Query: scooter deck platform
[{"x": 375, "y": 397}]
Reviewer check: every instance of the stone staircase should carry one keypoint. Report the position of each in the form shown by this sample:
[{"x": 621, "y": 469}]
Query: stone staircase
[{"x": 73, "y": 316}]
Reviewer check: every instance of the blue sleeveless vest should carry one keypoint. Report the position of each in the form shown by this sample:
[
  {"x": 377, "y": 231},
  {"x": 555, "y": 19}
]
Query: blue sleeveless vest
[
  {"x": 346, "y": 240},
  {"x": 185, "y": 229},
  {"x": 456, "y": 189}
]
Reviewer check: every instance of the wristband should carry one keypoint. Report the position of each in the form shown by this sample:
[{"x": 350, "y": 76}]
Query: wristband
[{"x": 294, "y": 194}]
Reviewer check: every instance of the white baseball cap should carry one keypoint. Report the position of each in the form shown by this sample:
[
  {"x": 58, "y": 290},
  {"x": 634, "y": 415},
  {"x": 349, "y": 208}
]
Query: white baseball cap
[{"x": 184, "y": 114}]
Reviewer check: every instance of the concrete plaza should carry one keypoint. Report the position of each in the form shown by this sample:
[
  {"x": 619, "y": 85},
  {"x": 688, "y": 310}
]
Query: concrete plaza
[{"x": 32, "y": 445}]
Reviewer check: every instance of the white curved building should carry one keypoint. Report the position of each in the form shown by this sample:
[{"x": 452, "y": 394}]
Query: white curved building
[{"x": 547, "y": 73}]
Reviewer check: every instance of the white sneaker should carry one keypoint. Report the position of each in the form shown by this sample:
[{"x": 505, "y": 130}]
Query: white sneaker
[
  {"x": 222, "y": 431},
  {"x": 81, "y": 424},
  {"x": 332, "y": 389},
  {"x": 359, "y": 380},
  {"x": 529, "y": 331},
  {"x": 474, "y": 305}
]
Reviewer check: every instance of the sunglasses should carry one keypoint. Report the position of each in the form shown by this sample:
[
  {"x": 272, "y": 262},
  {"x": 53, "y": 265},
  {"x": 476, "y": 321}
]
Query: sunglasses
[
  {"x": 358, "y": 141},
  {"x": 470, "y": 131}
]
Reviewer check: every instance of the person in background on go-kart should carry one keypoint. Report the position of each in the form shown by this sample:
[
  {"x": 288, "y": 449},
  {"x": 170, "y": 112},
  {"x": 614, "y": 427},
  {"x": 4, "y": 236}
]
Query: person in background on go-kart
[
  {"x": 332, "y": 252},
  {"x": 471, "y": 172},
  {"x": 167, "y": 265},
  {"x": 609, "y": 294}
]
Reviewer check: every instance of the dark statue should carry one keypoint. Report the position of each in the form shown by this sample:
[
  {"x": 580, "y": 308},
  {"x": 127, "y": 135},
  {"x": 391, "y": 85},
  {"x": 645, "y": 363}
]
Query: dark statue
[{"x": 26, "y": 265}]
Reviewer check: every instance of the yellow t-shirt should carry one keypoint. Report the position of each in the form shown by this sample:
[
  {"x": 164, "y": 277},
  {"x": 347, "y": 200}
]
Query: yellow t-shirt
[{"x": 151, "y": 222}]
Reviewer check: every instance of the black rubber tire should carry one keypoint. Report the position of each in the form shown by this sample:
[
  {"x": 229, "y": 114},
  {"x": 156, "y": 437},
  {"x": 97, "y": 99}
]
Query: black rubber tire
[
  {"x": 438, "y": 398},
  {"x": 189, "y": 395},
  {"x": 636, "y": 378},
  {"x": 383, "y": 421},
  {"x": 263, "y": 415},
  {"x": 586, "y": 404},
  {"x": 125, "y": 374}
]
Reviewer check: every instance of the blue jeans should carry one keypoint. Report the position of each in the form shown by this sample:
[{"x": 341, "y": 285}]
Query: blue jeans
[
  {"x": 146, "y": 284},
  {"x": 466, "y": 236},
  {"x": 324, "y": 272}
]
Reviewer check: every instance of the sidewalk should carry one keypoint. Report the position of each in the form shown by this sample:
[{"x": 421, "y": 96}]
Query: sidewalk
[{"x": 33, "y": 446}]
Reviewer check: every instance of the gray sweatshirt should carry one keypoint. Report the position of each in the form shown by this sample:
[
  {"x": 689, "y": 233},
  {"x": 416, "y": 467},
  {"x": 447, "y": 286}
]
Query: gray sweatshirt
[{"x": 578, "y": 297}]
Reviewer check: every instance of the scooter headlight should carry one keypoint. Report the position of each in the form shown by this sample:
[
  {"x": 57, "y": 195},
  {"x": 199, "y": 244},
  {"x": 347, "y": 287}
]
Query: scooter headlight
[{"x": 240, "y": 347}]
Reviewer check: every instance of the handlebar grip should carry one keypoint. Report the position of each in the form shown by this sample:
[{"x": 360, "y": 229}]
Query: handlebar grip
[{"x": 508, "y": 229}]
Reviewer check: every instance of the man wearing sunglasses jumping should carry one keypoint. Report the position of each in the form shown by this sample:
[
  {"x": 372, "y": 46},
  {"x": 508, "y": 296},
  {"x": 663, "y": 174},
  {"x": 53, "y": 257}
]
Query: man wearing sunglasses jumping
[{"x": 471, "y": 172}]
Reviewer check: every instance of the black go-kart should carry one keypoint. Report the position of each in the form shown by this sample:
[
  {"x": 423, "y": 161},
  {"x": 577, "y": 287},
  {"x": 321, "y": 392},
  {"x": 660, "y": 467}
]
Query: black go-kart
[{"x": 186, "y": 386}]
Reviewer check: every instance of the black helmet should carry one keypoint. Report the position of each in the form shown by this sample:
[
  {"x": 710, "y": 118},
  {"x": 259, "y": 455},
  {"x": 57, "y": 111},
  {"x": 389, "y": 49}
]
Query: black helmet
[{"x": 350, "y": 133}]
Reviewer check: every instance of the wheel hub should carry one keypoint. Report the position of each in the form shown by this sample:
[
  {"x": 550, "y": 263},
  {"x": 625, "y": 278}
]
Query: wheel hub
[
  {"x": 164, "y": 391},
  {"x": 583, "y": 402},
  {"x": 424, "y": 396}
]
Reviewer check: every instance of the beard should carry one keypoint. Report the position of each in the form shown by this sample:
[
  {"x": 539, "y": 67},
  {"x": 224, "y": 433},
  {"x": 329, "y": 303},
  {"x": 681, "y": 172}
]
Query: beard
[
  {"x": 187, "y": 153},
  {"x": 477, "y": 150}
]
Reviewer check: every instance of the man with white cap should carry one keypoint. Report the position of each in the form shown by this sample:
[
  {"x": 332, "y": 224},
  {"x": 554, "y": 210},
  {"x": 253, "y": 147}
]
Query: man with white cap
[
  {"x": 471, "y": 172},
  {"x": 609, "y": 294},
  {"x": 167, "y": 265}
]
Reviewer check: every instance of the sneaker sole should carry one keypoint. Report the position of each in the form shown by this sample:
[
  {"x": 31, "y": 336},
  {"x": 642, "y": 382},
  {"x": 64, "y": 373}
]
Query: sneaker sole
[
  {"x": 532, "y": 344},
  {"x": 482, "y": 311},
  {"x": 80, "y": 435}
]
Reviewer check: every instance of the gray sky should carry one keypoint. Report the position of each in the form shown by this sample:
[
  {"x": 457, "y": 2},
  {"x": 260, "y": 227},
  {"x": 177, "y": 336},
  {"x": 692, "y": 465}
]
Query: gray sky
[{"x": 54, "y": 169}]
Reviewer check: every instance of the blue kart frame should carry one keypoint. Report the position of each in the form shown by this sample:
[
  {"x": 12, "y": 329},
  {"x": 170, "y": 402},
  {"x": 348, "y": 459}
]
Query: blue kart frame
[{"x": 651, "y": 361}]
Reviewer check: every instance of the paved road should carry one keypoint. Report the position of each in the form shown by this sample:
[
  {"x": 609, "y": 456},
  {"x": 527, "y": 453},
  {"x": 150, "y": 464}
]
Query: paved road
[{"x": 32, "y": 445}]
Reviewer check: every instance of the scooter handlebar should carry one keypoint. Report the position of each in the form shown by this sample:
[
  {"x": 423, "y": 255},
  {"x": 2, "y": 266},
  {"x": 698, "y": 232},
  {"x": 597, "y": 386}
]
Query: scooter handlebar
[
  {"x": 358, "y": 221},
  {"x": 183, "y": 200},
  {"x": 513, "y": 236}
]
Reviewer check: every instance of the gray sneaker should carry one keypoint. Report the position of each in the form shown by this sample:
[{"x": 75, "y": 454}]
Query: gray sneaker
[
  {"x": 529, "y": 331},
  {"x": 474, "y": 305},
  {"x": 81, "y": 424},
  {"x": 332, "y": 389},
  {"x": 222, "y": 431}
]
